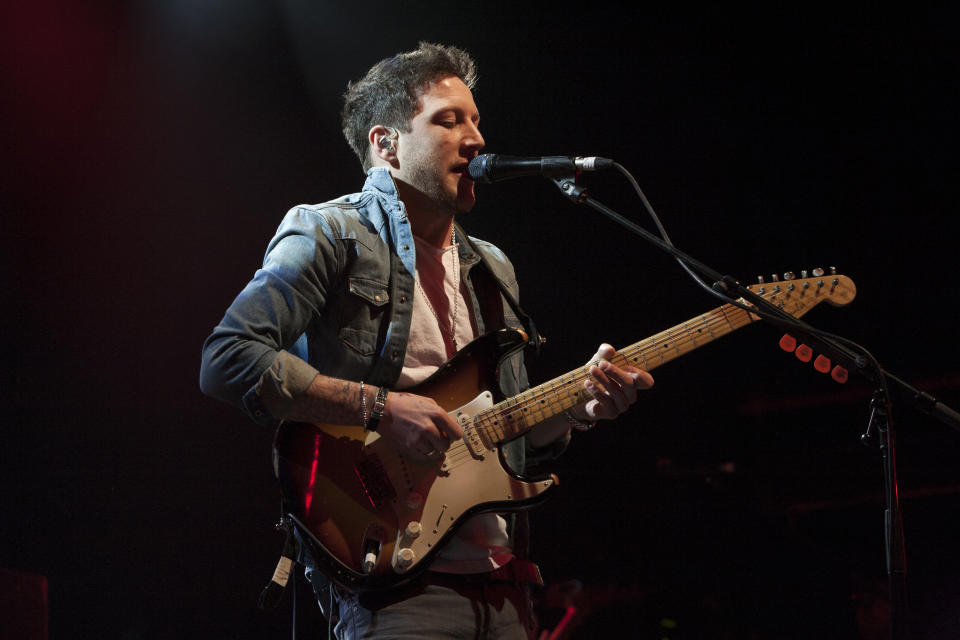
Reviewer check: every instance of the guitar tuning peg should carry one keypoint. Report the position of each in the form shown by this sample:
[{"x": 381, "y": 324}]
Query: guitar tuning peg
[
  {"x": 759, "y": 279},
  {"x": 803, "y": 273},
  {"x": 788, "y": 343},
  {"x": 833, "y": 271},
  {"x": 822, "y": 364},
  {"x": 789, "y": 275},
  {"x": 839, "y": 374},
  {"x": 774, "y": 277},
  {"x": 818, "y": 272},
  {"x": 803, "y": 353}
]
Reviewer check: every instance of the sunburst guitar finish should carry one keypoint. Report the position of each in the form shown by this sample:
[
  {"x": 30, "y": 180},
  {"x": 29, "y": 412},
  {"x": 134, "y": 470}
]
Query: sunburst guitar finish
[{"x": 375, "y": 518}]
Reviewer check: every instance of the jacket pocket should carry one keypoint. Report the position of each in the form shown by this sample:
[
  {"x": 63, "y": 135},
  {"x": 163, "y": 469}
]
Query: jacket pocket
[
  {"x": 370, "y": 290},
  {"x": 363, "y": 342},
  {"x": 365, "y": 304}
]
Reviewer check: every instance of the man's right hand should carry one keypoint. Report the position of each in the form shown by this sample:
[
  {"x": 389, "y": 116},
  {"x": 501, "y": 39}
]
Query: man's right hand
[{"x": 417, "y": 425}]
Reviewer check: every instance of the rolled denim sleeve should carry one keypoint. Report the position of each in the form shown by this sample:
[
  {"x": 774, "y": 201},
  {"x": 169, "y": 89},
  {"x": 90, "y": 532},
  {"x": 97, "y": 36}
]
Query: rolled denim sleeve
[{"x": 246, "y": 361}]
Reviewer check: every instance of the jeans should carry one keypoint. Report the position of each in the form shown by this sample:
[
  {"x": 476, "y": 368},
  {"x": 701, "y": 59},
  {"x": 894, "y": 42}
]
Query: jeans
[{"x": 455, "y": 609}]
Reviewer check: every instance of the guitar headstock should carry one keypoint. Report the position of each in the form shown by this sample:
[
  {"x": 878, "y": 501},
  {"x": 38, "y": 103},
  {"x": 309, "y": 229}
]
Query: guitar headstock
[{"x": 796, "y": 296}]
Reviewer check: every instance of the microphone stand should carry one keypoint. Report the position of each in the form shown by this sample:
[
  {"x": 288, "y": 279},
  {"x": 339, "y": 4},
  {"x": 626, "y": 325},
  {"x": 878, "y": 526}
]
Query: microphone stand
[{"x": 880, "y": 414}]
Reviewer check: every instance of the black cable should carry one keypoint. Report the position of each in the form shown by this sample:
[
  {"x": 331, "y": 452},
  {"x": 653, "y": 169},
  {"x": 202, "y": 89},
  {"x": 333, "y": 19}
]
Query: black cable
[{"x": 785, "y": 318}]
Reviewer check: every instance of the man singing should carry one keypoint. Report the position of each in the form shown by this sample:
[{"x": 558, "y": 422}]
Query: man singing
[{"x": 365, "y": 296}]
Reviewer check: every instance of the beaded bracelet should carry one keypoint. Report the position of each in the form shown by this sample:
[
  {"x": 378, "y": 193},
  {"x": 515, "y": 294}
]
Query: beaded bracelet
[{"x": 363, "y": 405}]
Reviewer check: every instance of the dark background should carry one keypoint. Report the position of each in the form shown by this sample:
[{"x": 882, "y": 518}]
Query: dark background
[{"x": 151, "y": 148}]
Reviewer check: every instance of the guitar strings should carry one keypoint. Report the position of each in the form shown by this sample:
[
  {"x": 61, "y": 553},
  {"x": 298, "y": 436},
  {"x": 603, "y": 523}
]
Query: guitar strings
[
  {"x": 552, "y": 393},
  {"x": 570, "y": 384},
  {"x": 642, "y": 351}
]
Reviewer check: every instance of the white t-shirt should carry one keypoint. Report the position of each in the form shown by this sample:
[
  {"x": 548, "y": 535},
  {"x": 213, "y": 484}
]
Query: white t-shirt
[{"x": 481, "y": 543}]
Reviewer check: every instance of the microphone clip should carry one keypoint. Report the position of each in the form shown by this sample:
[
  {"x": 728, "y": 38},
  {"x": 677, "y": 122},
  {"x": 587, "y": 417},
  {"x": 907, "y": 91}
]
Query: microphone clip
[{"x": 568, "y": 186}]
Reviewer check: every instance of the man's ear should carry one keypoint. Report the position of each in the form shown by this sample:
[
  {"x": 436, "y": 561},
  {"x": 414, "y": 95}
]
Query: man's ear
[{"x": 383, "y": 143}]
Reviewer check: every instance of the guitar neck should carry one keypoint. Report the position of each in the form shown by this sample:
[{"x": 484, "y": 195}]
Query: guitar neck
[{"x": 517, "y": 415}]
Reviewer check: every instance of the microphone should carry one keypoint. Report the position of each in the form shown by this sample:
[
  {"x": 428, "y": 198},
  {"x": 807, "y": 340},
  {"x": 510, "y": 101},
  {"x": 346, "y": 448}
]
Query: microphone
[{"x": 489, "y": 167}]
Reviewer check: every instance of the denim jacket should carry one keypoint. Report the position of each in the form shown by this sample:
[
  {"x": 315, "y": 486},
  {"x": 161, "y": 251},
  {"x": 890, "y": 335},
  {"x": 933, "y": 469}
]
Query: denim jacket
[{"x": 335, "y": 296}]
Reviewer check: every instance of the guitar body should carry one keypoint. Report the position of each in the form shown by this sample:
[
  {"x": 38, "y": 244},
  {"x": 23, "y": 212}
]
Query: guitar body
[{"x": 377, "y": 517}]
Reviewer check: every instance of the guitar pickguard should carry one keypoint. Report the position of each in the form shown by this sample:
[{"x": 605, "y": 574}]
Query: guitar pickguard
[{"x": 433, "y": 497}]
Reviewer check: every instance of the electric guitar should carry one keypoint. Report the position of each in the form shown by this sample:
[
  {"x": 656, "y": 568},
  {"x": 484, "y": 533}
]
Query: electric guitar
[{"x": 375, "y": 518}]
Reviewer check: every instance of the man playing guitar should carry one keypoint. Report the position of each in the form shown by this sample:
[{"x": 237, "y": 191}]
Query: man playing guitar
[{"x": 363, "y": 298}]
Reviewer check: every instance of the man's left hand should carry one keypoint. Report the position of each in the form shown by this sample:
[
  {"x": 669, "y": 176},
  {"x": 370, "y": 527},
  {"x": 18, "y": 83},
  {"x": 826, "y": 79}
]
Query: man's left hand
[{"x": 613, "y": 388}]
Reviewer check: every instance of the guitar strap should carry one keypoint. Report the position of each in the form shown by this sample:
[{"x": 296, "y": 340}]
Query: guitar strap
[
  {"x": 534, "y": 338},
  {"x": 270, "y": 596},
  {"x": 519, "y": 522}
]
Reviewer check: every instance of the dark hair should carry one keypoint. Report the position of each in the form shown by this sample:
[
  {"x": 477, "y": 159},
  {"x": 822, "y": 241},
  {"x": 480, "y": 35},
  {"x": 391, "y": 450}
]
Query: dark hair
[{"x": 389, "y": 93}]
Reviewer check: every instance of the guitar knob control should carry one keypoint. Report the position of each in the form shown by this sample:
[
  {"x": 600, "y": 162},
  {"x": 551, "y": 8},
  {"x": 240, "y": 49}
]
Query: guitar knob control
[
  {"x": 405, "y": 558},
  {"x": 413, "y": 530}
]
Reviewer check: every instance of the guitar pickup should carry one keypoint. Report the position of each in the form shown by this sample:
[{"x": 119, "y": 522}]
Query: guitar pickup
[
  {"x": 472, "y": 437},
  {"x": 474, "y": 442}
]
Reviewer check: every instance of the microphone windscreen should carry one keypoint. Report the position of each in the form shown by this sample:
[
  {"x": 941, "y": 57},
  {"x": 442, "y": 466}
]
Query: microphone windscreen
[{"x": 479, "y": 168}]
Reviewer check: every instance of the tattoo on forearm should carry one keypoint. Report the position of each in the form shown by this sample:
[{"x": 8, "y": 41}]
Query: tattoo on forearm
[{"x": 330, "y": 400}]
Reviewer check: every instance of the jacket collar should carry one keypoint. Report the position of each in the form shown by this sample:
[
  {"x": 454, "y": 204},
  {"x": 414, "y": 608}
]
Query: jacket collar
[{"x": 379, "y": 179}]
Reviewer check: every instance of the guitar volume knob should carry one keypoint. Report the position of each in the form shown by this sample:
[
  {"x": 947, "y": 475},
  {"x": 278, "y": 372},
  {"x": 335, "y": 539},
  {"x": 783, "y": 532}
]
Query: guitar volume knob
[
  {"x": 413, "y": 529},
  {"x": 405, "y": 558}
]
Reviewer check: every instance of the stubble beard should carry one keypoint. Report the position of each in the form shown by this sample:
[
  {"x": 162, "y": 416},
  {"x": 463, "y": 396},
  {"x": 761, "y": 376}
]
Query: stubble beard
[{"x": 433, "y": 185}]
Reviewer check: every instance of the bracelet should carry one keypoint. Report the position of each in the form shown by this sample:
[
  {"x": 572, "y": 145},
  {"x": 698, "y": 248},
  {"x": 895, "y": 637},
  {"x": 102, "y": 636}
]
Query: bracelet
[
  {"x": 577, "y": 424},
  {"x": 377, "y": 412},
  {"x": 363, "y": 405}
]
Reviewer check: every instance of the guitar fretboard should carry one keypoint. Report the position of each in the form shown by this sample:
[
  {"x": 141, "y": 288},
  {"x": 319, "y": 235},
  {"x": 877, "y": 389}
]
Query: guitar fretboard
[{"x": 515, "y": 416}]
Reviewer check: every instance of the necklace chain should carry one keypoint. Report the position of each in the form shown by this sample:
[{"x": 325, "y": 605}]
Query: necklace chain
[{"x": 456, "y": 292}]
